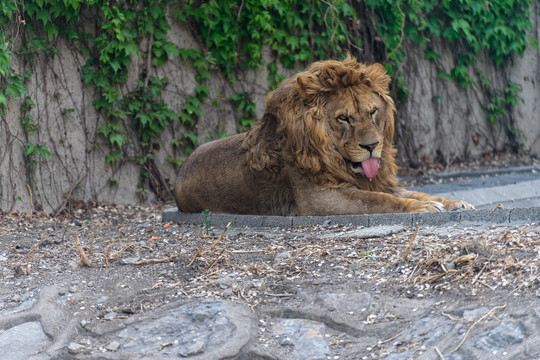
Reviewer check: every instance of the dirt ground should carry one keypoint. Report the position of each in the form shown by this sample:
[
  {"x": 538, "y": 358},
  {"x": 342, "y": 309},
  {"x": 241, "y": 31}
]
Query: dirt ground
[{"x": 103, "y": 248}]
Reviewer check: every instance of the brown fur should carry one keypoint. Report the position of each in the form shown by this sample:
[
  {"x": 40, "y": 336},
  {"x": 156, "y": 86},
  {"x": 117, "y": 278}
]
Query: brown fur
[{"x": 303, "y": 156}]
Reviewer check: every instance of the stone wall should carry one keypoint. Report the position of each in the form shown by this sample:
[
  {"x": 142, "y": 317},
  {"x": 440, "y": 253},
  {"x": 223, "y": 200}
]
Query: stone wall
[
  {"x": 439, "y": 119},
  {"x": 444, "y": 120}
]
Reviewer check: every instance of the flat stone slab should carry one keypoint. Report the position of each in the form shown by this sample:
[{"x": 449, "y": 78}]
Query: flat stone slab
[
  {"x": 198, "y": 330},
  {"x": 485, "y": 216},
  {"x": 23, "y": 341}
]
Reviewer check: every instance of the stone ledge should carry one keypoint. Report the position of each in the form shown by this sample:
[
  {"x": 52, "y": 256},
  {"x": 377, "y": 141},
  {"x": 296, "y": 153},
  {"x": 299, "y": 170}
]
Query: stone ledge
[{"x": 488, "y": 216}]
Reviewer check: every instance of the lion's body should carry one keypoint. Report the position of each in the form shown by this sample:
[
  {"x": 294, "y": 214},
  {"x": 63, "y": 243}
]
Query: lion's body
[
  {"x": 225, "y": 185},
  {"x": 323, "y": 146}
]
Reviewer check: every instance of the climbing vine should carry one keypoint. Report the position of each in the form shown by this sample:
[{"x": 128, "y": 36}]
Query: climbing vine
[
  {"x": 235, "y": 31},
  {"x": 497, "y": 27},
  {"x": 234, "y": 35}
]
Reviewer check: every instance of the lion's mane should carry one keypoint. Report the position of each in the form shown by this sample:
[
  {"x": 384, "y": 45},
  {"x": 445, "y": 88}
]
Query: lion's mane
[{"x": 293, "y": 129}]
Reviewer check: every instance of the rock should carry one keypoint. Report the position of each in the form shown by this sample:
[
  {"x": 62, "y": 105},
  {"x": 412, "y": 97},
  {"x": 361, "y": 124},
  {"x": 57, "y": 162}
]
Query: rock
[
  {"x": 401, "y": 356},
  {"x": 102, "y": 299},
  {"x": 113, "y": 346},
  {"x": 25, "y": 305},
  {"x": 503, "y": 335},
  {"x": 22, "y": 341},
  {"x": 110, "y": 315},
  {"x": 217, "y": 329},
  {"x": 345, "y": 302},
  {"x": 305, "y": 337},
  {"x": 227, "y": 281},
  {"x": 537, "y": 311},
  {"x": 366, "y": 233},
  {"x": 429, "y": 330},
  {"x": 475, "y": 312},
  {"x": 74, "y": 348},
  {"x": 130, "y": 260}
]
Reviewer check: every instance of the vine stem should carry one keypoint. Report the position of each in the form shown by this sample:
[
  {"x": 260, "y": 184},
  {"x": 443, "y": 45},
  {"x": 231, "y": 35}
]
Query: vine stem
[
  {"x": 149, "y": 59},
  {"x": 31, "y": 201}
]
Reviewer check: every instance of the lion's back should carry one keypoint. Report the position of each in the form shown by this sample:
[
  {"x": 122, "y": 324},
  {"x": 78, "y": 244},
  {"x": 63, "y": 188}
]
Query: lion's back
[{"x": 217, "y": 177}]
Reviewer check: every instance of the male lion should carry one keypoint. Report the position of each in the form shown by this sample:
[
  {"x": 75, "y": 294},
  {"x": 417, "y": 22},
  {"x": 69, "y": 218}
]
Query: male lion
[{"x": 322, "y": 147}]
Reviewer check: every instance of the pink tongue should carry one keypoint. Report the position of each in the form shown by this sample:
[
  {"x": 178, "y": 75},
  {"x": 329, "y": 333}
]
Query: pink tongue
[{"x": 371, "y": 167}]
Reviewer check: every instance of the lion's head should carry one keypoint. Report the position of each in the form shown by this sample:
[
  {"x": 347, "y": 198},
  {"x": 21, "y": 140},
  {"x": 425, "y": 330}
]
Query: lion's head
[{"x": 334, "y": 121}]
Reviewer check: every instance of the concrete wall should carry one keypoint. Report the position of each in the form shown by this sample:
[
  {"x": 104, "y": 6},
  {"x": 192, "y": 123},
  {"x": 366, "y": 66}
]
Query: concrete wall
[{"x": 440, "y": 117}]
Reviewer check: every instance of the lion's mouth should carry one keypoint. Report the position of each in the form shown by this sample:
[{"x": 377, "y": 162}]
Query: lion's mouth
[{"x": 370, "y": 167}]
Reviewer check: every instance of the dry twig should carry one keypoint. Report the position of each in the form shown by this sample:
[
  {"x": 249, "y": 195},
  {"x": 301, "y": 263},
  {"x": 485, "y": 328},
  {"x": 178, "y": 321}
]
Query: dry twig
[
  {"x": 476, "y": 323},
  {"x": 199, "y": 253},
  {"x": 439, "y": 353},
  {"x": 154, "y": 261},
  {"x": 116, "y": 256},
  {"x": 68, "y": 196},
  {"x": 23, "y": 268},
  {"x": 216, "y": 259},
  {"x": 31, "y": 201},
  {"x": 108, "y": 251},
  {"x": 408, "y": 250},
  {"x": 161, "y": 346},
  {"x": 481, "y": 270},
  {"x": 91, "y": 245},
  {"x": 82, "y": 254}
]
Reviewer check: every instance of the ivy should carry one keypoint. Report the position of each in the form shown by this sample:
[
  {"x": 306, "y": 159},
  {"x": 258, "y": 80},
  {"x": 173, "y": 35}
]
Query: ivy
[
  {"x": 245, "y": 104},
  {"x": 234, "y": 35},
  {"x": 498, "y": 27},
  {"x": 501, "y": 101},
  {"x": 33, "y": 151},
  {"x": 236, "y": 31}
]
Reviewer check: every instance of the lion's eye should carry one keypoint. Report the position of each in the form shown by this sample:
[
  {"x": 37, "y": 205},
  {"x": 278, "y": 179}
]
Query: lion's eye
[
  {"x": 372, "y": 112},
  {"x": 343, "y": 118}
]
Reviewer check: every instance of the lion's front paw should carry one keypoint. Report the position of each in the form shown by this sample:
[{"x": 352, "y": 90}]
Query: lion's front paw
[
  {"x": 457, "y": 205},
  {"x": 427, "y": 206}
]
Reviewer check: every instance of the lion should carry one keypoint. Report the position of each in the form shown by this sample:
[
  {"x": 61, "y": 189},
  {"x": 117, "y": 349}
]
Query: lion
[{"x": 322, "y": 147}]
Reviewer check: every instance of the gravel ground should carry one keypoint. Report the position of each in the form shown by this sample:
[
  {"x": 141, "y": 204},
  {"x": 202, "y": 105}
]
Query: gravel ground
[
  {"x": 127, "y": 257},
  {"x": 192, "y": 258}
]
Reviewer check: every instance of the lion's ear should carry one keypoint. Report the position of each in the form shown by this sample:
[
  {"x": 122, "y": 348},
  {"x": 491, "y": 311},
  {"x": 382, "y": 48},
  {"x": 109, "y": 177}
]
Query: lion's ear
[
  {"x": 303, "y": 86},
  {"x": 378, "y": 76},
  {"x": 309, "y": 87}
]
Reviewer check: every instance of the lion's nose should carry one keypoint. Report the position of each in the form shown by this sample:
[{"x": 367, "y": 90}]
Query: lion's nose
[{"x": 369, "y": 147}]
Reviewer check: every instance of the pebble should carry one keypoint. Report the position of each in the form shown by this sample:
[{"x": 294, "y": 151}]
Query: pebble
[
  {"x": 102, "y": 299},
  {"x": 110, "y": 315},
  {"x": 113, "y": 346},
  {"x": 129, "y": 260},
  {"x": 74, "y": 348},
  {"x": 475, "y": 312}
]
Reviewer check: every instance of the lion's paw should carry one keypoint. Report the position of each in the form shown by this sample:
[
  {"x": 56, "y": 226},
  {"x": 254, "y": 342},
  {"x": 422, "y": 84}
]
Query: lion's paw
[
  {"x": 454, "y": 205},
  {"x": 429, "y": 206}
]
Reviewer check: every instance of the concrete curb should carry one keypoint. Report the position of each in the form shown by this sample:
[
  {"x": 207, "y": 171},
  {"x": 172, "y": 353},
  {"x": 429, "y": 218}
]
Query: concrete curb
[
  {"x": 487, "y": 216},
  {"x": 520, "y": 193},
  {"x": 480, "y": 173}
]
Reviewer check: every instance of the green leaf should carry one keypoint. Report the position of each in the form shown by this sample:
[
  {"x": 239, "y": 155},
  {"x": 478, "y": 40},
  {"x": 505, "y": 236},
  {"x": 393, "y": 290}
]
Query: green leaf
[
  {"x": 117, "y": 139},
  {"x": 202, "y": 91},
  {"x": 115, "y": 65}
]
